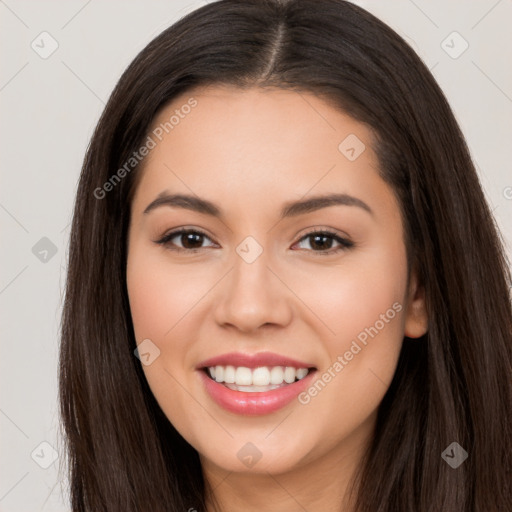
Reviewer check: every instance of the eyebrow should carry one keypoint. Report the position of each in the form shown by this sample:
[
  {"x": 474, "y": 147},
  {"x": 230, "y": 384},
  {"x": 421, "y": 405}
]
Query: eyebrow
[{"x": 289, "y": 209}]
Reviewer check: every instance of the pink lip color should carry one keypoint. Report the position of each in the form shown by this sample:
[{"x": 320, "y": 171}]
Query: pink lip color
[
  {"x": 253, "y": 361},
  {"x": 252, "y": 404}
]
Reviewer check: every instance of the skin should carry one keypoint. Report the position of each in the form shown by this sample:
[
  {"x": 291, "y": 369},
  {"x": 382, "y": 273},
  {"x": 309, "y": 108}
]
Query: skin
[{"x": 250, "y": 151}]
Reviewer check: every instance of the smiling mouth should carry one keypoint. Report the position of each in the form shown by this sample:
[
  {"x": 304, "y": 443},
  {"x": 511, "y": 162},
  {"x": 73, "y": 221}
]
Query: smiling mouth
[{"x": 256, "y": 380}]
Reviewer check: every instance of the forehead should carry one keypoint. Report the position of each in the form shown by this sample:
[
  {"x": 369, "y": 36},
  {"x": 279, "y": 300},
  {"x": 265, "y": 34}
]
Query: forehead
[{"x": 256, "y": 146}]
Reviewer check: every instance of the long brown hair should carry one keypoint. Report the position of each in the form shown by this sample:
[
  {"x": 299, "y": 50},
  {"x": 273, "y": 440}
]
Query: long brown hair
[{"x": 452, "y": 385}]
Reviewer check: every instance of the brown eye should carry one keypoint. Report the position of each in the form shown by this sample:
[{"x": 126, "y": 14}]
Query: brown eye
[
  {"x": 190, "y": 239},
  {"x": 322, "y": 241}
]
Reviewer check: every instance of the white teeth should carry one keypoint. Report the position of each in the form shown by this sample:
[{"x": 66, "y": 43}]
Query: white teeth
[
  {"x": 219, "y": 373},
  {"x": 229, "y": 374},
  {"x": 289, "y": 375},
  {"x": 301, "y": 373},
  {"x": 253, "y": 389},
  {"x": 276, "y": 375},
  {"x": 243, "y": 376},
  {"x": 261, "y": 377}
]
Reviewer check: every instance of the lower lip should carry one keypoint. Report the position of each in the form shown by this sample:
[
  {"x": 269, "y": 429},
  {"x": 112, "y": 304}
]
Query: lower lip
[{"x": 256, "y": 403}]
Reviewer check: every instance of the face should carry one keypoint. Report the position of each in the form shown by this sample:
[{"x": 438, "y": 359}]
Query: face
[{"x": 290, "y": 280}]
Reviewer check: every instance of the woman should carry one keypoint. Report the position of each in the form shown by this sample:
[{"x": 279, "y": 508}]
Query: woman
[{"x": 285, "y": 289}]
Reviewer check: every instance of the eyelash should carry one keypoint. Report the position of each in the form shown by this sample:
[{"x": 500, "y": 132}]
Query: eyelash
[{"x": 344, "y": 243}]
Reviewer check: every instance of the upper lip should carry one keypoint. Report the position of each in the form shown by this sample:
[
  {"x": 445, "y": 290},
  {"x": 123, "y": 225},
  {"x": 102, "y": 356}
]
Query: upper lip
[{"x": 252, "y": 360}]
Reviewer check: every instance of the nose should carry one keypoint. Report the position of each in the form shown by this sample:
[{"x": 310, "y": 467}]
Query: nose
[{"x": 253, "y": 295}]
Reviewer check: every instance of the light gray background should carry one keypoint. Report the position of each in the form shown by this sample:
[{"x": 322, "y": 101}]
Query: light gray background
[{"x": 49, "y": 108}]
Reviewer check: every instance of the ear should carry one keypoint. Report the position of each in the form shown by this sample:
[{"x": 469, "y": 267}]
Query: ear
[{"x": 416, "y": 319}]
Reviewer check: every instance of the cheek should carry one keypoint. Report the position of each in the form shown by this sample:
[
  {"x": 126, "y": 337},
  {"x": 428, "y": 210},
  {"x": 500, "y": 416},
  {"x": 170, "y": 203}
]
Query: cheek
[
  {"x": 363, "y": 308},
  {"x": 165, "y": 304},
  {"x": 159, "y": 294},
  {"x": 148, "y": 303},
  {"x": 352, "y": 297},
  {"x": 158, "y": 301}
]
